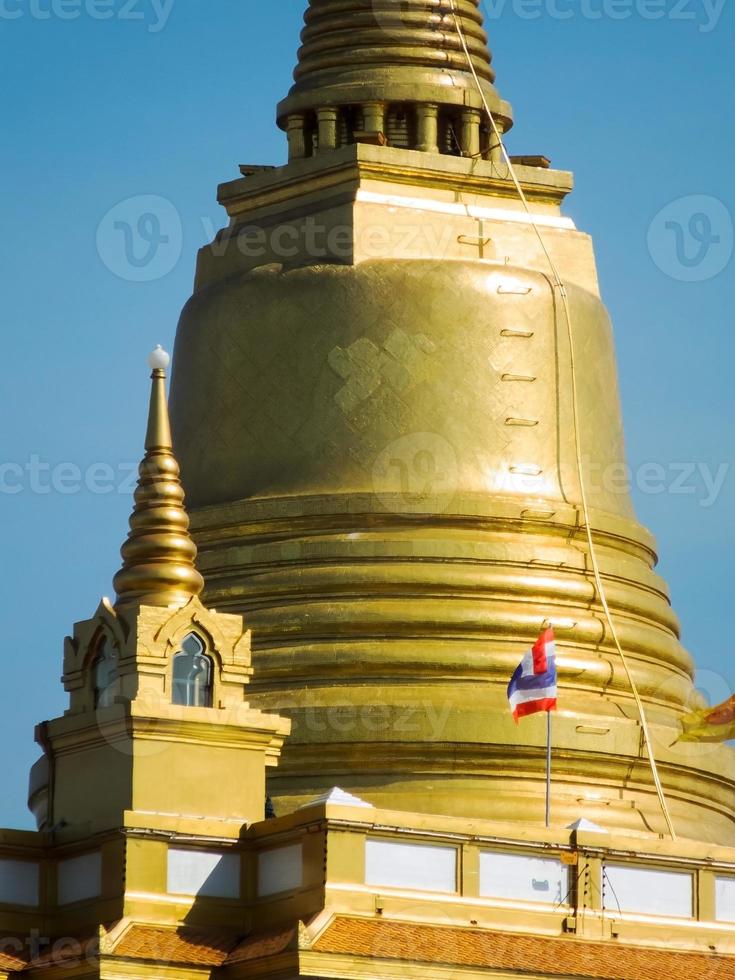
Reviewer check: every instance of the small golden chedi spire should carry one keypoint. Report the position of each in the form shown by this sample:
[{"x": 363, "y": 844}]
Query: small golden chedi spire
[{"x": 159, "y": 554}]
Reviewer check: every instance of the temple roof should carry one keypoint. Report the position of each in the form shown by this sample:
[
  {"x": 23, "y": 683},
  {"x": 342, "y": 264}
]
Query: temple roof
[
  {"x": 507, "y": 951},
  {"x": 203, "y": 947},
  {"x": 376, "y": 939}
]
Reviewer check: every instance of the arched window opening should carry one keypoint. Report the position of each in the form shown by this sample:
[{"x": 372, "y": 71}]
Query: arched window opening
[
  {"x": 192, "y": 675},
  {"x": 105, "y": 677}
]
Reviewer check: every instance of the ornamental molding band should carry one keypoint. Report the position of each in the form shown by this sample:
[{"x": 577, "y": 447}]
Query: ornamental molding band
[{"x": 145, "y": 639}]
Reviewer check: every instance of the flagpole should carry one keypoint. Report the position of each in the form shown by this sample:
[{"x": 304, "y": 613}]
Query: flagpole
[{"x": 548, "y": 769}]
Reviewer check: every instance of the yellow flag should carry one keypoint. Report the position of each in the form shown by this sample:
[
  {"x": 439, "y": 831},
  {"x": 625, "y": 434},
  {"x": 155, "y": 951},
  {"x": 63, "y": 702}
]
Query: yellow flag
[{"x": 710, "y": 724}]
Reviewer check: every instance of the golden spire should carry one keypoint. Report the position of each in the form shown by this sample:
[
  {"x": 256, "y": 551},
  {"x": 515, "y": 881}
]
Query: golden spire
[{"x": 158, "y": 556}]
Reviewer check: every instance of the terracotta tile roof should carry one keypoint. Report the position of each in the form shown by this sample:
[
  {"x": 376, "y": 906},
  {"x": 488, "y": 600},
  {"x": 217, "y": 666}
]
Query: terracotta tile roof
[
  {"x": 190, "y": 947},
  {"x": 185, "y": 946},
  {"x": 382, "y": 939},
  {"x": 258, "y": 947},
  {"x": 67, "y": 952},
  {"x": 51, "y": 952},
  {"x": 11, "y": 964}
]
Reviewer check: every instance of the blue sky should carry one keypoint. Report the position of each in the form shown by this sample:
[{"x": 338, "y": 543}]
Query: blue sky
[{"x": 107, "y": 100}]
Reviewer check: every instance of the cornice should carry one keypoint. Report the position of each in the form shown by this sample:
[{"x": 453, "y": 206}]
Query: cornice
[{"x": 349, "y": 167}]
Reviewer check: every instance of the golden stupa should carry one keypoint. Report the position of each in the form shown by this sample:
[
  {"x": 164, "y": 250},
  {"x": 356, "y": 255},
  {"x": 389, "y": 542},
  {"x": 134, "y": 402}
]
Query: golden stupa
[
  {"x": 395, "y": 408},
  {"x": 388, "y": 387}
]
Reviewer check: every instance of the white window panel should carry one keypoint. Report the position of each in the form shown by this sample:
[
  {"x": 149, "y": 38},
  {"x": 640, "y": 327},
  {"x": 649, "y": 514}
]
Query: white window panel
[
  {"x": 19, "y": 883},
  {"x": 725, "y": 897},
  {"x": 649, "y": 891},
  {"x": 523, "y": 877},
  {"x": 423, "y": 867},
  {"x": 80, "y": 878},
  {"x": 280, "y": 870},
  {"x": 207, "y": 874}
]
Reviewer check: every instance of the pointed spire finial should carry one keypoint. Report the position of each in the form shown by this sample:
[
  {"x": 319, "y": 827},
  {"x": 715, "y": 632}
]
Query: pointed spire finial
[{"x": 158, "y": 556}]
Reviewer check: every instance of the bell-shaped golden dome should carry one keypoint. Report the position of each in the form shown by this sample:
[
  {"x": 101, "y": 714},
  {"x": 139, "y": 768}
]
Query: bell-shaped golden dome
[{"x": 416, "y": 432}]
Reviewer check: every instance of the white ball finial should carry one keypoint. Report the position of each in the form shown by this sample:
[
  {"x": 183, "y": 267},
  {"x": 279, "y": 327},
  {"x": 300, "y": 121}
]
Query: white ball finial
[{"x": 159, "y": 359}]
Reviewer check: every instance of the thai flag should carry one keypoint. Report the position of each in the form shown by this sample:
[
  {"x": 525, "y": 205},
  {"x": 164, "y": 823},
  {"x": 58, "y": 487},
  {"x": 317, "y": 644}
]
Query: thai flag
[{"x": 533, "y": 687}]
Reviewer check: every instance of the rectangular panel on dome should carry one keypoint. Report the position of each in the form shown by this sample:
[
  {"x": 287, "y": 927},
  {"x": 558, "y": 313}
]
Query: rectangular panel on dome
[
  {"x": 424, "y": 867},
  {"x": 206, "y": 874},
  {"x": 725, "y": 899},
  {"x": 280, "y": 870},
  {"x": 523, "y": 877},
  {"x": 80, "y": 878},
  {"x": 19, "y": 883},
  {"x": 647, "y": 890}
]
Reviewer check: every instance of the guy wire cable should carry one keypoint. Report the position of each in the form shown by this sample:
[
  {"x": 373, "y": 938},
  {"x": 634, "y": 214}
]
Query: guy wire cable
[{"x": 577, "y": 436}]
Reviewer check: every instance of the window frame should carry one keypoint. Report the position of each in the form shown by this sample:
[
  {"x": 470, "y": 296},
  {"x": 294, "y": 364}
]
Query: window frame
[
  {"x": 191, "y": 681},
  {"x": 111, "y": 691}
]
